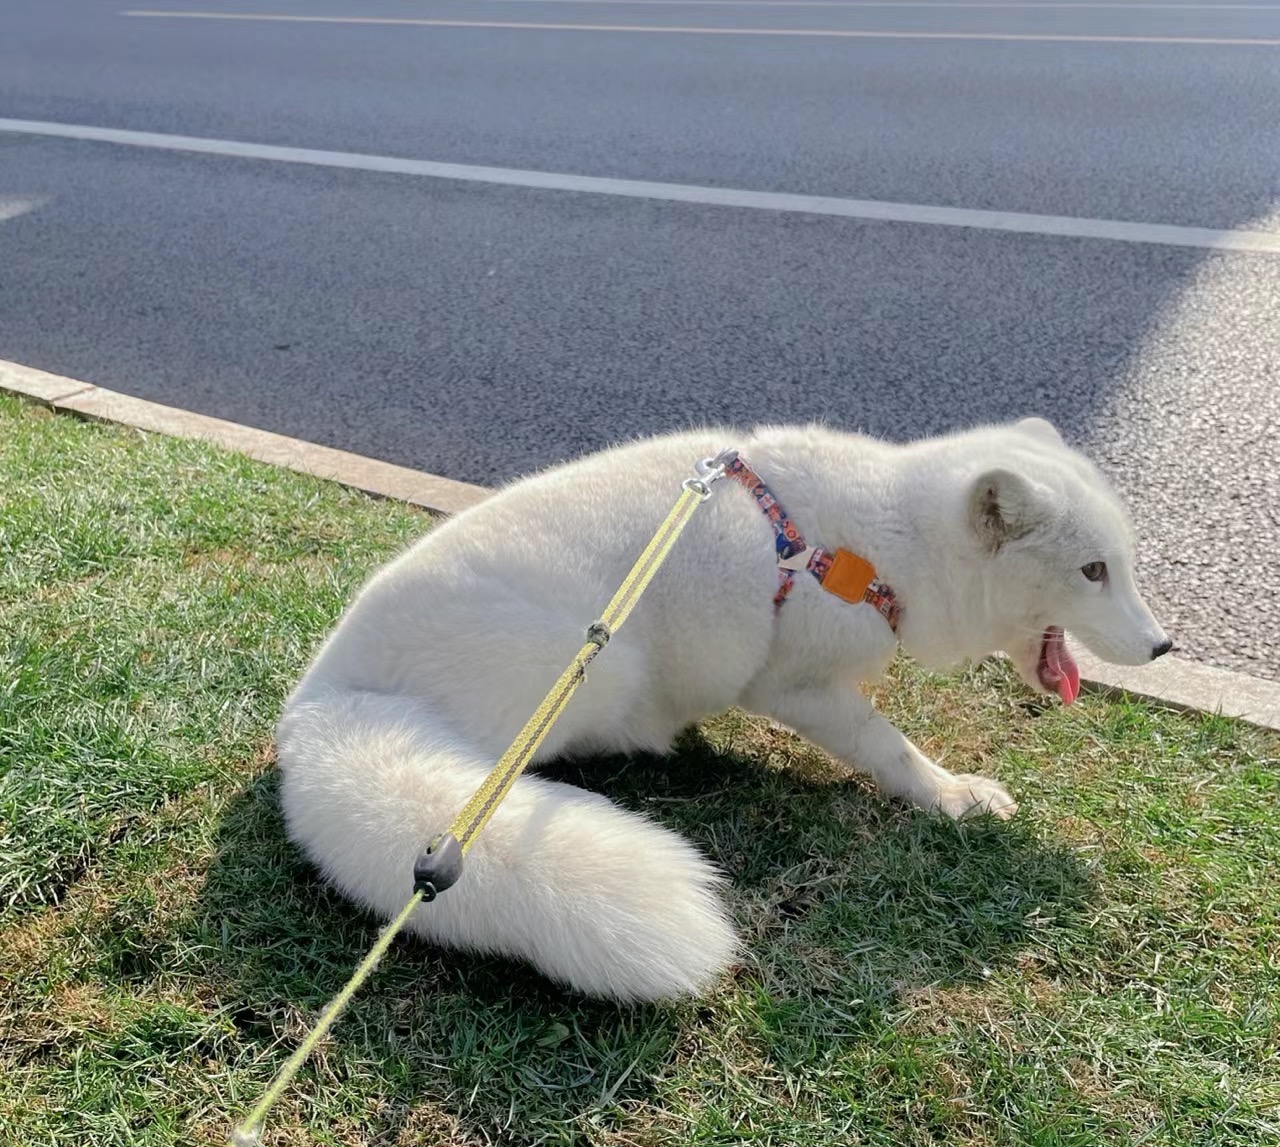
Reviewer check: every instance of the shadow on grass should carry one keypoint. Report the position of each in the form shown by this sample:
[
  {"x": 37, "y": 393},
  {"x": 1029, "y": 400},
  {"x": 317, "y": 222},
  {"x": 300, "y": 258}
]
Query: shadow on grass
[{"x": 847, "y": 904}]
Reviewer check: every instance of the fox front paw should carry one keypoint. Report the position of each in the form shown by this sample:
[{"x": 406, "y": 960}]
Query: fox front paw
[{"x": 969, "y": 795}]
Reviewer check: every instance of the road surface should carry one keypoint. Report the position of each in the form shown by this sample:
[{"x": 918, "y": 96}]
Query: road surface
[{"x": 480, "y": 326}]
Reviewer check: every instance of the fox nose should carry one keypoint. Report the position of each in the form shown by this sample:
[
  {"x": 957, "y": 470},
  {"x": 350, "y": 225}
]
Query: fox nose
[{"x": 1161, "y": 649}]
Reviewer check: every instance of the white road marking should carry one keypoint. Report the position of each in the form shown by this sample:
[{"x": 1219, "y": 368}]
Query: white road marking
[
  {"x": 963, "y": 5},
  {"x": 679, "y": 30},
  {"x": 1065, "y": 226},
  {"x": 12, "y": 208}
]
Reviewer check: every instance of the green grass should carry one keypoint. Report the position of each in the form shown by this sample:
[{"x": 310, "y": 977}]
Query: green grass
[{"x": 1103, "y": 969}]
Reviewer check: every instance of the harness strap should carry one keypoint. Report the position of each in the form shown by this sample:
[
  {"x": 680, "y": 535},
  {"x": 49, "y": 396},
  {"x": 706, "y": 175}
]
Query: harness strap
[{"x": 840, "y": 572}]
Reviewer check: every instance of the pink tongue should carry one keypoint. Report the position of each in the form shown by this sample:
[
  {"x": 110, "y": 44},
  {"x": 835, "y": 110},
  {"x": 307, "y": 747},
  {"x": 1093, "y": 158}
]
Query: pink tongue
[{"x": 1063, "y": 666}]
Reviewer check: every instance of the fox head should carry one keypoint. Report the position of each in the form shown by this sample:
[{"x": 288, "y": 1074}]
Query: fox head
[{"x": 1039, "y": 545}]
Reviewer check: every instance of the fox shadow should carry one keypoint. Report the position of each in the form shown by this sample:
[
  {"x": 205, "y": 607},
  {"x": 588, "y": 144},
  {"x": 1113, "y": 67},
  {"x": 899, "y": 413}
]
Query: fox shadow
[{"x": 845, "y": 904}]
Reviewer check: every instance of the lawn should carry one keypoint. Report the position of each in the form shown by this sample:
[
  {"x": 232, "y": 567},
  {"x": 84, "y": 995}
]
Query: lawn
[{"x": 1103, "y": 969}]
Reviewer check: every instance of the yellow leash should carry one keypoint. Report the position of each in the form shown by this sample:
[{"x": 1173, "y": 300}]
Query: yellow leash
[{"x": 441, "y": 865}]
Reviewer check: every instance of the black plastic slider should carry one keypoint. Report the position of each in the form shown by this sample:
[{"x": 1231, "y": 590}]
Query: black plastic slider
[
  {"x": 439, "y": 867},
  {"x": 598, "y": 634}
]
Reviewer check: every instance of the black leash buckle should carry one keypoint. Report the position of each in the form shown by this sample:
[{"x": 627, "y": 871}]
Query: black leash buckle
[{"x": 439, "y": 867}]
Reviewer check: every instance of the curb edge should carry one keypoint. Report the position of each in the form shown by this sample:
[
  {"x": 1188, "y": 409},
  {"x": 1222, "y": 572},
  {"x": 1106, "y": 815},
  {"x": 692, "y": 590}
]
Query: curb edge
[{"x": 384, "y": 479}]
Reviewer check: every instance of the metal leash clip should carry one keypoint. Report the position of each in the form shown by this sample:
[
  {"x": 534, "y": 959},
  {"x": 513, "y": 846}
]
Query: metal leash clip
[{"x": 709, "y": 470}]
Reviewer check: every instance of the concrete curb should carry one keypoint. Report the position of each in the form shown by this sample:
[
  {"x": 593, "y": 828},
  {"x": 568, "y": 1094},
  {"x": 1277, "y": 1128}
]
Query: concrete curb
[
  {"x": 442, "y": 495},
  {"x": 1169, "y": 681},
  {"x": 1190, "y": 685}
]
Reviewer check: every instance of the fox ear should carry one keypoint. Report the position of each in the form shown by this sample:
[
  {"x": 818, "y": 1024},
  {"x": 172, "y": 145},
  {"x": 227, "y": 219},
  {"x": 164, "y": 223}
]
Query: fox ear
[
  {"x": 1004, "y": 506},
  {"x": 1041, "y": 428}
]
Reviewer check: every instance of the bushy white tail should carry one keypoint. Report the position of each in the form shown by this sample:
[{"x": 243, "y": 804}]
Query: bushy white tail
[{"x": 593, "y": 896}]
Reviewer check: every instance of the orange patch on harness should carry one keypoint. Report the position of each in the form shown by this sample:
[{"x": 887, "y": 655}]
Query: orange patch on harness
[{"x": 849, "y": 576}]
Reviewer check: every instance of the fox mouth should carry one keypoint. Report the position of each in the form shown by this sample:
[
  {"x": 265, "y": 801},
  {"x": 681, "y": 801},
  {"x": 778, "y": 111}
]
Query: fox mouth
[{"x": 1056, "y": 669}]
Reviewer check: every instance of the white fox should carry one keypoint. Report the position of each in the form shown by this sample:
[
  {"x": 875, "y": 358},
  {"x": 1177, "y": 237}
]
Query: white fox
[{"x": 992, "y": 539}]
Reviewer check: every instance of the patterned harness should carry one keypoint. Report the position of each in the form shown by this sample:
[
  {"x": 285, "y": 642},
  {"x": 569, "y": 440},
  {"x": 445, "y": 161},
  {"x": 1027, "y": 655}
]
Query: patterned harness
[{"x": 840, "y": 572}]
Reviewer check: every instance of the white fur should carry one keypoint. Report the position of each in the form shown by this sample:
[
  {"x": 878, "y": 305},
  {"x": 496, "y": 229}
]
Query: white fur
[{"x": 448, "y": 649}]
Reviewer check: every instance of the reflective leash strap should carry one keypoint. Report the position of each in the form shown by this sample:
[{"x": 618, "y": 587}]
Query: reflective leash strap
[
  {"x": 441, "y": 865},
  {"x": 249, "y": 1133}
]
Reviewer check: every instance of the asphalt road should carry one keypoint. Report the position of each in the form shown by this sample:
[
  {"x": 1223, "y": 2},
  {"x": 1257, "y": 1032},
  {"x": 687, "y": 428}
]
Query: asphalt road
[{"x": 480, "y": 331}]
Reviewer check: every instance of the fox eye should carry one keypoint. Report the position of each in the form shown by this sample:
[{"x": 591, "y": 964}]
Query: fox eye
[{"x": 1094, "y": 571}]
